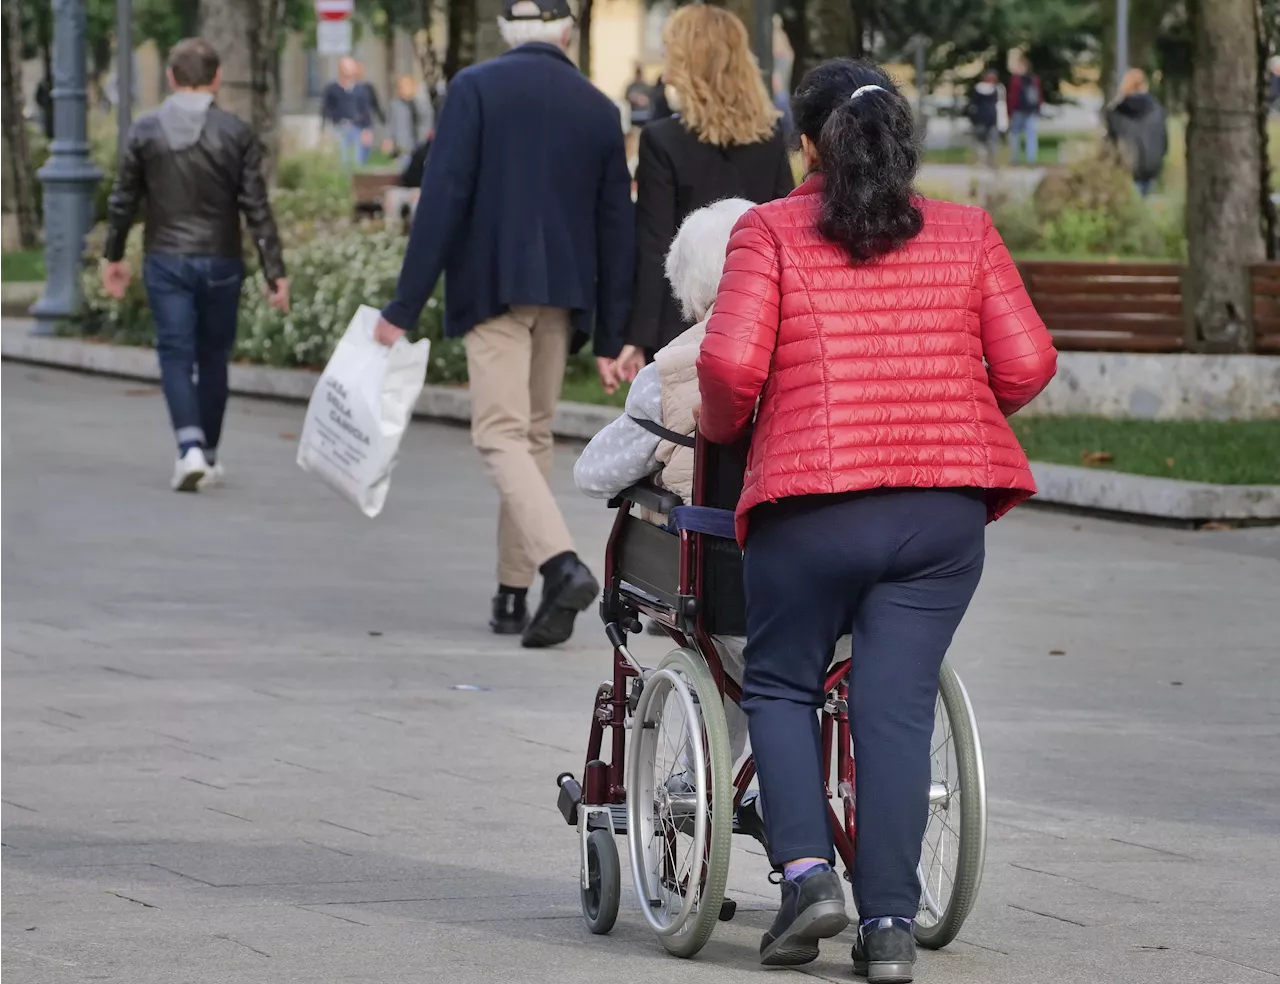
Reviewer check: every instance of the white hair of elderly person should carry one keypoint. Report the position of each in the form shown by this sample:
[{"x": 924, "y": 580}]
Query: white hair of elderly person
[{"x": 665, "y": 392}]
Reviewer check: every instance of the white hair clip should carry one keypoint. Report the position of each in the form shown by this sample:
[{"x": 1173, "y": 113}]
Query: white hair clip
[{"x": 865, "y": 89}]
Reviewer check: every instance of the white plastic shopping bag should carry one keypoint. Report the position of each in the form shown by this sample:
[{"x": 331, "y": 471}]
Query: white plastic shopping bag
[{"x": 359, "y": 410}]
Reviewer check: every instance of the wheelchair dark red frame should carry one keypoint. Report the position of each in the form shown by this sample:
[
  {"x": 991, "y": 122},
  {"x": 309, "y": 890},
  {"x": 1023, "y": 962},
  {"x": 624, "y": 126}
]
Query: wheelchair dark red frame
[{"x": 684, "y": 617}]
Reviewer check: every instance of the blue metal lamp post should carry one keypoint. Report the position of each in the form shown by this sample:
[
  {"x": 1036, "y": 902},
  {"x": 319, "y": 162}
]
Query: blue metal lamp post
[{"x": 69, "y": 177}]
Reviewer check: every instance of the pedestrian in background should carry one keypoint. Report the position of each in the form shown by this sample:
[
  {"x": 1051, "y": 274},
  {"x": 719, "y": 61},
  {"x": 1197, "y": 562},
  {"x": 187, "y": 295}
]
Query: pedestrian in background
[
  {"x": 193, "y": 168},
  {"x": 876, "y": 340},
  {"x": 349, "y": 105},
  {"x": 1137, "y": 126},
  {"x": 526, "y": 207},
  {"x": 410, "y": 119},
  {"x": 639, "y": 97},
  {"x": 986, "y": 102},
  {"x": 1026, "y": 97},
  {"x": 724, "y": 141}
]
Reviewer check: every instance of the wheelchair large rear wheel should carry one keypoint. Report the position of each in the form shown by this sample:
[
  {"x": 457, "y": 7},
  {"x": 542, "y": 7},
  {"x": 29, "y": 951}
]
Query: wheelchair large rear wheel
[
  {"x": 955, "y": 839},
  {"x": 680, "y": 802}
]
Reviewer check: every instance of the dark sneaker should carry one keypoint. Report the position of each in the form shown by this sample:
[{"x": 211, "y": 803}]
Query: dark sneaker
[
  {"x": 566, "y": 591},
  {"x": 510, "y": 614},
  {"x": 884, "y": 951},
  {"x": 812, "y": 909},
  {"x": 750, "y": 820}
]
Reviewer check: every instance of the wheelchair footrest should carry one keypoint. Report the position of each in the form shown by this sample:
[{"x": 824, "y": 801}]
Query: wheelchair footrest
[
  {"x": 619, "y": 812},
  {"x": 619, "y": 815}
]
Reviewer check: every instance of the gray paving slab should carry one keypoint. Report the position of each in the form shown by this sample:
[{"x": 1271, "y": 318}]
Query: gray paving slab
[{"x": 231, "y": 750}]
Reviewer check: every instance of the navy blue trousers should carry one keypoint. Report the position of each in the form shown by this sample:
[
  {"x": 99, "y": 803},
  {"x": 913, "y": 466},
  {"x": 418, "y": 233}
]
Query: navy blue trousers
[
  {"x": 896, "y": 568},
  {"x": 194, "y": 303}
]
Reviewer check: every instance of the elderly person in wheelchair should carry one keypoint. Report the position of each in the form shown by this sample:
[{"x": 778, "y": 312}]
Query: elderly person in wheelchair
[{"x": 654, "y": 438}]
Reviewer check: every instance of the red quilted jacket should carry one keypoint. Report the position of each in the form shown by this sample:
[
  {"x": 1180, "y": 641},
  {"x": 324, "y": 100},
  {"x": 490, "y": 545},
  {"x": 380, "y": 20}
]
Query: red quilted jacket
[{"x": 895, "y": 373}]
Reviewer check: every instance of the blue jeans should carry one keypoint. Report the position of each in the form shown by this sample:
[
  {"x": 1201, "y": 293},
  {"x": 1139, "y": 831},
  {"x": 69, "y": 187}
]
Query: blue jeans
[
  {"x": 897, "y": 567},
  {"x": 1023, "y": 124},
  {"x": 353, "y": 153},
  {"x": 194, "y": 302}
]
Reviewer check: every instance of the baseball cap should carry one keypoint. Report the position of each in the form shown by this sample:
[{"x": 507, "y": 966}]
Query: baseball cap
[{"x": 543, "y": 10}]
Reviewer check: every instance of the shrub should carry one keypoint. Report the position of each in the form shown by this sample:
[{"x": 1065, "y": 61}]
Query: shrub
[
  {"x": 329, "y": 277},
  {"x": 311, "y": 189},
  {"x": 1091, "y": 209}
]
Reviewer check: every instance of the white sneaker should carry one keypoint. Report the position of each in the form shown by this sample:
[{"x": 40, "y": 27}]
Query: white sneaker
[
  {"x": 189, "y": 471},
  {"x": 214, "y": 476}
]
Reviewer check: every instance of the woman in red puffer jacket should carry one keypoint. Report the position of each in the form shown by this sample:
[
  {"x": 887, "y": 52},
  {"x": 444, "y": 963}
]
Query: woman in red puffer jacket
[{"x": 878, "y": 340}]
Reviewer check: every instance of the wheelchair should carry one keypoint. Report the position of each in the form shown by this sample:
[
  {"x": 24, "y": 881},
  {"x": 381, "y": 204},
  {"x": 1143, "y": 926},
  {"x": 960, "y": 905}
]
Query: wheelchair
[{"x": 670, "y": 789}]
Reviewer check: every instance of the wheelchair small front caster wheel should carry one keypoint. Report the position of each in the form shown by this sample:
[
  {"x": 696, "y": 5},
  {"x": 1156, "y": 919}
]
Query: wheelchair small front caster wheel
[
  {"x": 728, "y": 909},
  {"x": 603, "y": 890}
]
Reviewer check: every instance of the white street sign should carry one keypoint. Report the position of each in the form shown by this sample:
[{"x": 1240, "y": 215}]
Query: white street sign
[
  {"x": 333, "y": 37},
  {"x": 334, "y": 9}
]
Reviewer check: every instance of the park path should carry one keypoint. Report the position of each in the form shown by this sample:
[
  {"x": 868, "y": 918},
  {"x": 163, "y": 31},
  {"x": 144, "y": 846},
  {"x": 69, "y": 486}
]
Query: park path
[{"x": 234, "y": 751}]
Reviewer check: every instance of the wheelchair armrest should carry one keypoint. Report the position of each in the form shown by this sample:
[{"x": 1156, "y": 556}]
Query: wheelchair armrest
[{"x": 649, "y": 496}]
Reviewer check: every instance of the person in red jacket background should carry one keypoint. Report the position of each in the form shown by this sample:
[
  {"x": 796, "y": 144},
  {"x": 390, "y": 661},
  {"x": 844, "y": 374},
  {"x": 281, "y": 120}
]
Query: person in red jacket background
[{"x": 877, "y": 340}]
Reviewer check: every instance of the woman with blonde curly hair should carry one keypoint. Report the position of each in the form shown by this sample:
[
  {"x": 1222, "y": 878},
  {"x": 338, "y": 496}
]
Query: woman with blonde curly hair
[{"x": 724, "y": 141}]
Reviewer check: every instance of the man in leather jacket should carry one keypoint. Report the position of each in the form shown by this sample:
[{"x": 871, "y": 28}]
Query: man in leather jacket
[{"x": 193, "y": 168}]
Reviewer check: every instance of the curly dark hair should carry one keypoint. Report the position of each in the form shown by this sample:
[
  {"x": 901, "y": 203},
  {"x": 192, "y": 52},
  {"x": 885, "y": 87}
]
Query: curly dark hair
[{"x": 868, "y": 155}]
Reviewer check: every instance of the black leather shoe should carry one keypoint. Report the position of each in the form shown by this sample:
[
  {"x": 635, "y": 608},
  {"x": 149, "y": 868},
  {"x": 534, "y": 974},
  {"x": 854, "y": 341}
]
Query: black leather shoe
[
  {"x": 510, "y": 614},
  {"x": 812, "y": 909},
  {"x": 884, "y": 952},
  {"x": 567, "y": 590}
]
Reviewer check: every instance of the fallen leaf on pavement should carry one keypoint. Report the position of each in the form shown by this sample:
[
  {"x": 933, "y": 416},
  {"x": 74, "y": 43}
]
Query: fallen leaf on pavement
[
  {"x": 286, "y": 436},
  {"x": 1057, "y": 652},
  {"x": 1217, "y": 526}
]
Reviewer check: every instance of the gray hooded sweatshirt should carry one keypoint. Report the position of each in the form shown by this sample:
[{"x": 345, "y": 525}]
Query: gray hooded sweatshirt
[{"x": 182, "y": 118}]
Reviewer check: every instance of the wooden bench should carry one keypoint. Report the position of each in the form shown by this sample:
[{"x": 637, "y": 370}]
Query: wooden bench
[
  {"x": 1265, "y": 288},
  {"x": 1115, "y": 307},
  {"x": 367, "y": 189}
]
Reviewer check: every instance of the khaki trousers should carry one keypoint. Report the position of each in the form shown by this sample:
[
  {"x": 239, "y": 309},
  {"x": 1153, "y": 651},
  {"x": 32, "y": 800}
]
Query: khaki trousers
[{"x": 516, "y": 366}]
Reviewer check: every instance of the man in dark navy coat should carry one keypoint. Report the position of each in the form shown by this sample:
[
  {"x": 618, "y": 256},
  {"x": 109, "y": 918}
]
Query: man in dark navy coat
[{"x": 526, "y": 209}]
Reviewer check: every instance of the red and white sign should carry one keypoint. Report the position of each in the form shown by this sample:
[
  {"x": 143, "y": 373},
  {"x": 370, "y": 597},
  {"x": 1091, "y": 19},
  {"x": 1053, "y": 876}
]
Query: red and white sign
[{"x": 334, "y": 10}]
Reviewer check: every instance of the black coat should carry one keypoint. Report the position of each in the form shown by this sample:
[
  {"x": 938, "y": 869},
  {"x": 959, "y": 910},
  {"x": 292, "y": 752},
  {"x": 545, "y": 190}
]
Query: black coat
[
  {"x": 526, "y": 200},
  {"x": 1136, "y": 124},
  {"x": 192, "y": 199},
  {"x": 678, "y": 174}
]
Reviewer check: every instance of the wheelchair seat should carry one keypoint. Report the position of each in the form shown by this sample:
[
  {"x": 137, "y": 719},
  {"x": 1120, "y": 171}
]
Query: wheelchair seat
[{"x": 648, "y": 558}]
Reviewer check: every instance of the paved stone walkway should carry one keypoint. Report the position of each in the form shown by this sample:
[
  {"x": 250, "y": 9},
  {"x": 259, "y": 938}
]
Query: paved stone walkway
[{"x": 233, "y": 750}]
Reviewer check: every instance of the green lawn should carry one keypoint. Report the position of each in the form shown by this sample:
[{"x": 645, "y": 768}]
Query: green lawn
[
  {"x": 1051, "y": 145},
  {"x": 1234, "y": 453},
  {"x": 589, "y": 390},
  {"x": 24, "y": 265}
]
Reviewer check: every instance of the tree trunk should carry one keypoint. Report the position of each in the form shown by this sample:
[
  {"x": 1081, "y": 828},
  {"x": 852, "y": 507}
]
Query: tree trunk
[
  {"x": 489, "y": 43},
  {"x": 424, "y": 48},
  {"x": 835, "y": 30},
  {"x": 245, "y": 34},
  {"x": 820, "y": 29},
  {"x": 795, "y": 24},
  {"x": 15, "y": 130},
  {"x": 389, "y": 60},
  {"x": 1263, "y": 79},
  {"x": 461, "y": 48},
  {"x": 1224, "y": 195},
  {"x": 584, "y": 38}
]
